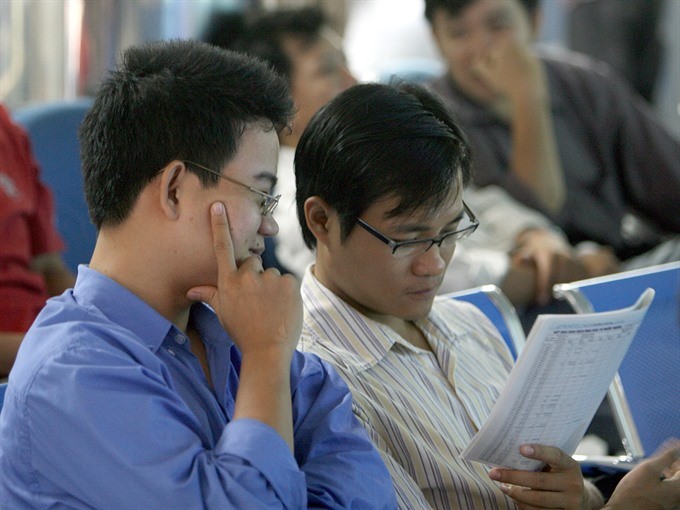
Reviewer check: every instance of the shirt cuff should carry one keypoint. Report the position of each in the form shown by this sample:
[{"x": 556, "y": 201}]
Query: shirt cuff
[{"x": 263, "y": 448}]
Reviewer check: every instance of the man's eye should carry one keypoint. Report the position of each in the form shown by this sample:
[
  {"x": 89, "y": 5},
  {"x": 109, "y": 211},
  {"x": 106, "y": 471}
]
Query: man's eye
[
  {"x": 456, "y": 32},
  {"x": 415, "y": 240}
]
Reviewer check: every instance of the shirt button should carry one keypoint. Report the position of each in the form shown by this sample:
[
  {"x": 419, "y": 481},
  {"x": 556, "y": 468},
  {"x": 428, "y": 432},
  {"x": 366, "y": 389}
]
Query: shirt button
[{"x": 180, "y": 339}]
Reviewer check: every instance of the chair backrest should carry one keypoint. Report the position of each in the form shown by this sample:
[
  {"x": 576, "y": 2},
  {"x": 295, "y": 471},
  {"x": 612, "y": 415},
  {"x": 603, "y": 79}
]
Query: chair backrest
[
  {"x": 498, "y": 308},
  {"x": 53, "y": 129},
  {"x": 645, "y": 396},
  {"x": 3, "y": 389}
]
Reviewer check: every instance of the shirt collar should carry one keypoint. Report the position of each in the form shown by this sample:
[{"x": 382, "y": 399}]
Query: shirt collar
[
  {"x": 120, "y": 306},
  {"x": 364, "y": 340}
]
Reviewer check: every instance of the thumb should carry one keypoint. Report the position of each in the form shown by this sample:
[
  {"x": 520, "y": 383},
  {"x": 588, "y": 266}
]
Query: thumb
[{"x": 204, "y": 293}]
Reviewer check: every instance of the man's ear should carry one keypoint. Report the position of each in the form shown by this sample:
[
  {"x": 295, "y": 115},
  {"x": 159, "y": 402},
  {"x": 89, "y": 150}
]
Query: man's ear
[
  {"x": 317, "y": 214},
  {"x": 170, "y": 191}
]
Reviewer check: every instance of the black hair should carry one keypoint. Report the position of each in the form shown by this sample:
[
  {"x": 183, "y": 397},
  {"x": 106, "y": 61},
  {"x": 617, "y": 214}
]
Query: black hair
[
  {"x": 375, "y": 141},
  {"x": 453, "y": 7},
  {"x": 179, "y": 99},
  {"x": 263, "y": 35}
]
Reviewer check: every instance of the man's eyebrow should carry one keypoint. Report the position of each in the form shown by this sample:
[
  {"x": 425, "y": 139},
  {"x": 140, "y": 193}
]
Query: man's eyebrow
[
  {"x": 267, "y": 177},
  {"x": 419, "y": 227}
]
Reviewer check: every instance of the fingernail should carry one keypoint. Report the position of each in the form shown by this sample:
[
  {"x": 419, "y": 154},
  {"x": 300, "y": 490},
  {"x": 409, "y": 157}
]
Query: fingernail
[
  {"x": 217, "y": 208},
  {"x": 193, "y": 296},
  {"x": 505, "y": 488},
  {"x": 527, "y": 450},
  {"x": 494, "y": 474}
]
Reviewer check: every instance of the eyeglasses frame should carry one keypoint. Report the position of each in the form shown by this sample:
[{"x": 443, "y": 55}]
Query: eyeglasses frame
[
  {"x": 270, "y": 202},
  {"x": 394, "y": 245}
]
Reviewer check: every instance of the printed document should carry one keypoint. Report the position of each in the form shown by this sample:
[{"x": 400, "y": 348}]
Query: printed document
[{"x": 557, "y": 384}]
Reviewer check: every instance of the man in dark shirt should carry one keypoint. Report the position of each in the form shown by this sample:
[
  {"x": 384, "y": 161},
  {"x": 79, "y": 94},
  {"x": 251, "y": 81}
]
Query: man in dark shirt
[{"x": 561, "y": 133}]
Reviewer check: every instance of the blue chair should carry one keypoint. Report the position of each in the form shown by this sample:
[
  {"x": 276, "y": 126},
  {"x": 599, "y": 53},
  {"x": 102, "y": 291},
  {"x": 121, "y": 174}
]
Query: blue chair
[
  {"x": 645, "y": 396},
  {"x": 498, "y": 308},
  {"x": 3, "y": 389},
  {"x": 53, "y": 129},
  {"x": 269, "y": 258}
]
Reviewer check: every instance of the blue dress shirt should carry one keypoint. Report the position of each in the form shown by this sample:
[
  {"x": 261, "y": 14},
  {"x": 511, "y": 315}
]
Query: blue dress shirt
[{"x": 108, "y": 408}]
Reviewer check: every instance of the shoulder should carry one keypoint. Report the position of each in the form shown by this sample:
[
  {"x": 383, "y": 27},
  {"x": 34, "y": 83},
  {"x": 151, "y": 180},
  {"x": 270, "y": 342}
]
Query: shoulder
[
  {"x": 468, "y": 328},
  {"x": 566, "y": 62},
  {"x": 576, "y": 73},
  {"x": 328, "y": 353},
  {"x": 67, "y": 342}
]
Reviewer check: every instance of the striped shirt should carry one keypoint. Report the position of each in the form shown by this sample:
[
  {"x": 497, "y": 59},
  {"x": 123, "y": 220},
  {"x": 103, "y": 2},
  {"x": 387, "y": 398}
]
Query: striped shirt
[{"x": 420, "y": 408}]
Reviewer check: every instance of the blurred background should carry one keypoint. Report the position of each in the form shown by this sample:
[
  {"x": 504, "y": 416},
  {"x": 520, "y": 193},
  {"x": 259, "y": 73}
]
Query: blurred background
[{"x": 60, "y": 49}]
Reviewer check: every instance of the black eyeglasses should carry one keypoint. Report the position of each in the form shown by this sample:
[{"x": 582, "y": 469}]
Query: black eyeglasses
[
  {"x": 269, "y": 202},
  {"x": 400, "y": 249}
]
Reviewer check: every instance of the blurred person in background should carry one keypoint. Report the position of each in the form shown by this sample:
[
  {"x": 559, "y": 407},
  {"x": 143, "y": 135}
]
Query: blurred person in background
[
  {"x": 31, "y": 265},
  {"x": 625, "y": 34},
  {"x": 558, "y": 131},
  {"x": 300, "y": 45}
]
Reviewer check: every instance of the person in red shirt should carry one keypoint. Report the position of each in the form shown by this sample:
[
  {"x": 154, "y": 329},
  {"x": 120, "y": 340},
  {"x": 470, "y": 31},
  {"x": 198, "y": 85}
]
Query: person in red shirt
[{"x": 31, "y": 266}]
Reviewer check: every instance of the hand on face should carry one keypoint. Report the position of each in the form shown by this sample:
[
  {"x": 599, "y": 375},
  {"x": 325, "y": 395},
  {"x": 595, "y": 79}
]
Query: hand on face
[
  {"x": 261, "y": 310},
  {"x": 509, "y": 66},
  {"x": 559, "y": 485}
]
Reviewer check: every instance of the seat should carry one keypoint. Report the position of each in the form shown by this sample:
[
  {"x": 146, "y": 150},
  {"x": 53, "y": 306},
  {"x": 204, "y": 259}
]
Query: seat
[
  {"x": 53, "y": 129},
  {"x": 269, "y": 258},
  {"x": 644, "y": 395},
  {"x": 3, "y": 389},
  {"x": 498, "y": 308}
]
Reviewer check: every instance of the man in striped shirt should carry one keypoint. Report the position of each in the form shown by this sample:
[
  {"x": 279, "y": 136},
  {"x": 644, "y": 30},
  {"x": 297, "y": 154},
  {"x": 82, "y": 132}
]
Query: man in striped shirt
[{"x": 379, "y": 173}]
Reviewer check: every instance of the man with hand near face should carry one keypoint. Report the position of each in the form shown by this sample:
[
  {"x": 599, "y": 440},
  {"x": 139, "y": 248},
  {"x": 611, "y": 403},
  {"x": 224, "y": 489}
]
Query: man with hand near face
[
  {"x": 559, "y": 132},
  {"x": 129, "y": 392}
]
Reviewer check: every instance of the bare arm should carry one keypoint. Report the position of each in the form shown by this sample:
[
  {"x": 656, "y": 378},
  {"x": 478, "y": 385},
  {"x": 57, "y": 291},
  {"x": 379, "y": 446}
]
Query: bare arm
[
  {"x": 262, "y": 311},
  {"x": 57, "y": 276},
  {"x": 512, "y": 68},
  {"x": 9, "y": 345},
  {"x": 57, "y": 279}
]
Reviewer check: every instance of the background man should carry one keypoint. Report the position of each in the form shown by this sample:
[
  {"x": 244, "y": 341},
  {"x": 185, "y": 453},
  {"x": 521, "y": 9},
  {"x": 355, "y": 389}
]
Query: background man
[{"x": 559, "y": 132}]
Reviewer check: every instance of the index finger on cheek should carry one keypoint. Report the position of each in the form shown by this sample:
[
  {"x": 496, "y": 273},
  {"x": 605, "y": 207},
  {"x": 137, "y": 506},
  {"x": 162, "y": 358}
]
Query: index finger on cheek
[{"x": 222, "y": 244}]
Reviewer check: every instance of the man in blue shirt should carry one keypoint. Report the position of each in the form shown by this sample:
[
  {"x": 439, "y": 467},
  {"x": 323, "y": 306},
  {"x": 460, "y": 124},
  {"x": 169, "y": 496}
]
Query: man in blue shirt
[{"x": 127, "y": 391}]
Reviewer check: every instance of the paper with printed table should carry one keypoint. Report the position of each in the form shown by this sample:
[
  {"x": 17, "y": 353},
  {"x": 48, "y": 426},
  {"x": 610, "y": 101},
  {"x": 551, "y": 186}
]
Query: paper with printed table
[{"x": 557, "y": 384}]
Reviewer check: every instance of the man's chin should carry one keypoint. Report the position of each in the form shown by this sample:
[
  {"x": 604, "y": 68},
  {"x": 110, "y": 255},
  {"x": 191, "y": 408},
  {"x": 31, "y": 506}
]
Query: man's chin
[{"x": 420, "y": 311}]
